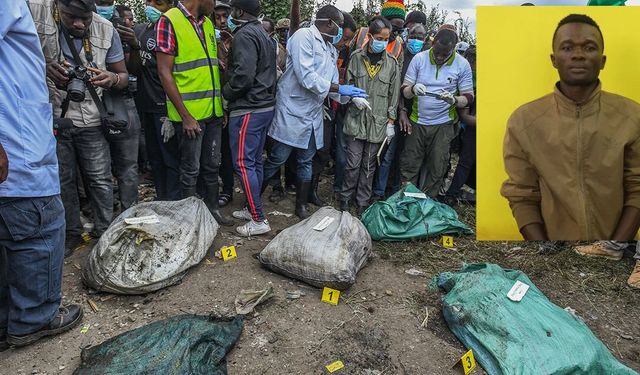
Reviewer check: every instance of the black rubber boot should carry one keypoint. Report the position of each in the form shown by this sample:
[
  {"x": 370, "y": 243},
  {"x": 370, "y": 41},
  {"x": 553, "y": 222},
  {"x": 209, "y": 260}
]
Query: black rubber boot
[
  {"x": 313, "y": 194},
  {"x": 302, "y": 191},
  {"x": 188, "y": 192},
  {"x": 212, "y": 203}
]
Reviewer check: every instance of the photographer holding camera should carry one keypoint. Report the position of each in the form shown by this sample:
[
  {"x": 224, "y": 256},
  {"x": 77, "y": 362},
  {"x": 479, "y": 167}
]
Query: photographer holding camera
[{"x": 84, "y": 147}]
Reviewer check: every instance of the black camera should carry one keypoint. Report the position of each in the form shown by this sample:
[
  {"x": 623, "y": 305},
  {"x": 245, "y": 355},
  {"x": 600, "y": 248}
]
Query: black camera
[{"x": 78, "y": 76}]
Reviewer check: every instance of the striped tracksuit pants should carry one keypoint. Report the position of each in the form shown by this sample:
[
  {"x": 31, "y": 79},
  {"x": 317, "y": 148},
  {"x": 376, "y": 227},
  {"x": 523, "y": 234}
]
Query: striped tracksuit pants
[{"x": 247, "y": 135}]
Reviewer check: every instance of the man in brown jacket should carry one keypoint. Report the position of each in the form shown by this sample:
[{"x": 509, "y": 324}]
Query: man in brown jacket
[{"x": 573, "y": 156}]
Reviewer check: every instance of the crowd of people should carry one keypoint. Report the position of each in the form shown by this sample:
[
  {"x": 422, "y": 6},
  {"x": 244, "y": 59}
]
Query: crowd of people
[
  {"x": 240, "y": 84},
  {"x": 197, "y": 95}
]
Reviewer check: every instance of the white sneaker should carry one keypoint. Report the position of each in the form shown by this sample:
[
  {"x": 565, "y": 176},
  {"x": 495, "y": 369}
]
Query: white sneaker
[
  {"x": 243, "y": 214},
  {"x": 253, "y": 228}
]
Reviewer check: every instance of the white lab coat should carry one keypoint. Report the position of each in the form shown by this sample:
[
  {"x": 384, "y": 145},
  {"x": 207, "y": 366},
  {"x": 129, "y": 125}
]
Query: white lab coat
[{"x": 302, "y": 89}]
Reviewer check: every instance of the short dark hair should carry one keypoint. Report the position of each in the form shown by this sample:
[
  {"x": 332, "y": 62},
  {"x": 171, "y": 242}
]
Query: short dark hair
[
  {"x": 577, "y": 18},
  {"x": 349, "y": 22},
  {"x": 446, "y": 37},
  {"x": 86, "y": 5},
  {"x": 416, "y": 16},
  {"x": 377, "y": 24},
  {"x": 329, "y": 12},
  {"x": 121, "y": 8},
  {"x": 270, "y": 22}
]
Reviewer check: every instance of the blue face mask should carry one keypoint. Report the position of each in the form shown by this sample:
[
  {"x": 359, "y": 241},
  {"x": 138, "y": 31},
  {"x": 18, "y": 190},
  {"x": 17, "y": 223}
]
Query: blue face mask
[
  {"x": 378, "y": 46},
  {"x": 415, "y": 45},
  {"x": 232, "y": 23},
  {"x": 105, "y": 11},
  {"x": 217, "y": 34},
  {"x": 152, "y": 13},
  {"x": 335, "y": 39}
]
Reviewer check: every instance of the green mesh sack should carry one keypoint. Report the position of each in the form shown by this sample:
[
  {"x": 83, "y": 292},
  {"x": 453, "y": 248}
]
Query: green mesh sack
[
  {"x": 532, "y": 336},
  {"x": 403, "y": 217},
  {"x": 183, "y": 344}
]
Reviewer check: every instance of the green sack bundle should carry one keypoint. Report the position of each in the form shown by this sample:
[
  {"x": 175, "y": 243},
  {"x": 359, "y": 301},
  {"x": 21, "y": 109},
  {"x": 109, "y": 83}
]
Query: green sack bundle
[
  {"x": 531, "y": 336},
  {"x": 402, "y": 217},
  {"x": 183, "y": 344},
  {"x": 606, "y": 2}
]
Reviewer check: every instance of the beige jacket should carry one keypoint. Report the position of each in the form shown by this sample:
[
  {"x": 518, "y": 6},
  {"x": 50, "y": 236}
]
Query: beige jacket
[
  {"x": 573, "y": 166},
  {"x": 101, "y": 31}
]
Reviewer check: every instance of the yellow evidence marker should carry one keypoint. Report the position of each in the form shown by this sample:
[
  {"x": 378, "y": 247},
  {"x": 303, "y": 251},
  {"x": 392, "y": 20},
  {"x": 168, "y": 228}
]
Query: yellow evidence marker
[
  {"x": 330, "y": 296},
  {"x": 335, "y": 366},
  {"x": 447, "y": 242},
  {"x": 228, "y": 253}
]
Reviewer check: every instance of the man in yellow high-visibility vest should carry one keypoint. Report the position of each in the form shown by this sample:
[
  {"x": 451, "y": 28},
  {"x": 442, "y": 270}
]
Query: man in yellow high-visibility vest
[{"x": 188, "y": 68}]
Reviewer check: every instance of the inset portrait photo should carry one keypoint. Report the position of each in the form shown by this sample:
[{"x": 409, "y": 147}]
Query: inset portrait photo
[{"x": 559, "y": 131}]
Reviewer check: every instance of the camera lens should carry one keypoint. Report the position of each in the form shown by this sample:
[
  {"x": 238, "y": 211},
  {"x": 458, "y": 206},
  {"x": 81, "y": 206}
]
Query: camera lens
[{"x": 75, "y": 90}]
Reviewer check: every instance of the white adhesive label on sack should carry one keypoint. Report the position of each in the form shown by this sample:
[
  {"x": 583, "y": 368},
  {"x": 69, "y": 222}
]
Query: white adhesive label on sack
[
  {"x": 151, "y": 219},
  {"x": 415, "y": 195},
  {"x": 518, "y": 290},
  {"x": 323, "y": 224}
]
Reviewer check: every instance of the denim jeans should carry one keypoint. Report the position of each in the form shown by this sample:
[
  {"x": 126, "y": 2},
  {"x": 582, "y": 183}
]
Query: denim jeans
[
  {"x": 124, "y": 158},
  {"x": 85, "y": 149},
  {"x": 289, "y": 168},
  {"x": 200, "y": 157},
  {"x": 279, "y": 154},
  {"x": 163, "y": 157},
  {"x": 32, "y": 234}
]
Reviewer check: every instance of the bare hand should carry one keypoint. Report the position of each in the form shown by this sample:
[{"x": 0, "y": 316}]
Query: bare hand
[
  {"x": 58, "y": 73},
  {"x": 225, "y": 120},
  {"x": 191, "y": 127},
  {"x": 128, "y": 36},
  {"x": 405, "y": 124},
  {"x": 4, "y": 165},
  {"x": 103, "y": 78}
]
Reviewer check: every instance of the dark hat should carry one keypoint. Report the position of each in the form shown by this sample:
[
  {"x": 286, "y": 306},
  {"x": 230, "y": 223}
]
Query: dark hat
[
  {"x": 222, "y": 4},
  {"x": 249, "y": 6}
]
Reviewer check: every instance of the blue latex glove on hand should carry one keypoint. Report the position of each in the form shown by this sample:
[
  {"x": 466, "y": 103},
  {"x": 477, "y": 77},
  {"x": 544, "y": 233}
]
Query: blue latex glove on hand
[{"x": 352, "y": 91}]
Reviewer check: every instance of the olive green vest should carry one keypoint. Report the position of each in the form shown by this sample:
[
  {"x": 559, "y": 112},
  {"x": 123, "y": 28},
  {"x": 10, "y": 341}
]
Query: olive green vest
[{"x": 195, "y": 70}]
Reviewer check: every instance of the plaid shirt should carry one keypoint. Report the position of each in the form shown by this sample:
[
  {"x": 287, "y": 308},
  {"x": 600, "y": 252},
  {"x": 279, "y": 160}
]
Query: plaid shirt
[{"x": 166, "y": 37}]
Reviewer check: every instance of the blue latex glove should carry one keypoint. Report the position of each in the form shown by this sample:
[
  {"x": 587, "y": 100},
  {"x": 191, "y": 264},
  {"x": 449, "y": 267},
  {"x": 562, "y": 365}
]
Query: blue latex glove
[{"x": 352, "y": 91}]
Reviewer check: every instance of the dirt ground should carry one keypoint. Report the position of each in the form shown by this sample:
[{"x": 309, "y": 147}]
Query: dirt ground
[{"x": 377, "y": 328}]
